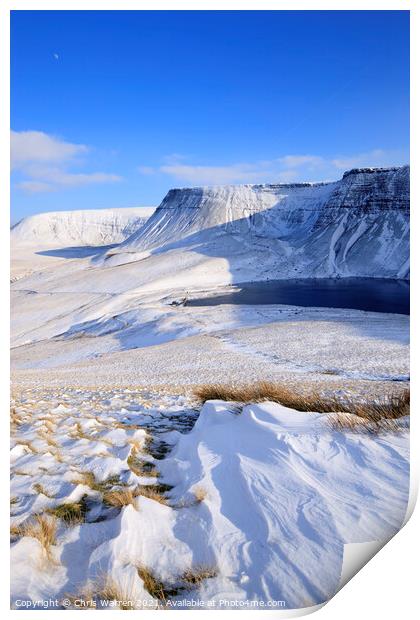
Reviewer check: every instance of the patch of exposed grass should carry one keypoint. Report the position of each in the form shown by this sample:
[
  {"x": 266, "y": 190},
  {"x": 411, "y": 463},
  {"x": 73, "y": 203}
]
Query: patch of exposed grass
[
  {"x": 38, "y": 488},
  {"x": 189, "y": 580},
  {"x": 27, "y": 444},
  {"x": 19, "y": 472},
  {"x": 79, "y": 433},
  {"x": 118, "y": 498},
  {"x": 158, "y": 449},
  {"x": 154, "y": 586},
  {"x": 41, "y": 527},
  {"x": 72, "y": 513},
  {"x": 46, "y": 435},
  {"x": 57, "y": 455},
  {"x": 199, "y": 494},
  {"x": 15, "y": 419},
  {"x": 104, "y": 593},
  {"x": 140, "y": 467},
  {"x": 88, "y": 479},
  {"x": 154, "y": 492},
  {"x": 389, "y": 407},
  {"x": 194, "y": 577},
  {"x": 350, "y": 422}
]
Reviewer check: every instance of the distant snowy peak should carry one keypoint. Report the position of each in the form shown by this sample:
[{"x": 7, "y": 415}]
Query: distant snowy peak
[
  {"x": 357, "y": 226},
  {"x": 79, "y": 228}
]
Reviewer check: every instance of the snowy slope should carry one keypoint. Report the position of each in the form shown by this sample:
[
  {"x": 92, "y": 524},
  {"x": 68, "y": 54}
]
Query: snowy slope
[
  {"x": 266, "y": 498},
  {"x": 357, "y": 226},
  {"x": 78, "y": 228},
  {"x": 209, "y": 237}
]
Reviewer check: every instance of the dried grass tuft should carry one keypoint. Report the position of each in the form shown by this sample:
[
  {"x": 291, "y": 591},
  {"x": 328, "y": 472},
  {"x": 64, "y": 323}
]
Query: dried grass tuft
[
  {"x": 41, "y": 527},
  {"x": 379, "y": 413},
  {"x": 119, "y": 498}
]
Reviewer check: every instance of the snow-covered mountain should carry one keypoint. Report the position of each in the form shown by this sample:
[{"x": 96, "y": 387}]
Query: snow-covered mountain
[
  {"x": 358, "y": 226},
  {"x": 79, "y": 228},
  {"x": 200, "y": 239}
]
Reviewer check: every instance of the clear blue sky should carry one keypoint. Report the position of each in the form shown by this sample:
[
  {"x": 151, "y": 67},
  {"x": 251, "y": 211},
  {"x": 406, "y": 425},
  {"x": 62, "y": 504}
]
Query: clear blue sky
[{"x": 112, "y": 108}]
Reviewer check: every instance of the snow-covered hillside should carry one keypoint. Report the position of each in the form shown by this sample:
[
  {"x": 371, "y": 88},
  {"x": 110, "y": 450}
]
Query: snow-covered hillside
[
  {"x": 202, "y": 239},
  {"x": 78, "y": 228},
  {"x": 358, "y": 226}
]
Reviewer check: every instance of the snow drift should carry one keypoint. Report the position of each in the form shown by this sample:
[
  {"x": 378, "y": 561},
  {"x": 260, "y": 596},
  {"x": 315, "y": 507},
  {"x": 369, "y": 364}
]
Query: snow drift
[
  {"x": 279, "y": 495},
  {"x": 358, "y": 226},
  {"x": 79, "y": 228}
]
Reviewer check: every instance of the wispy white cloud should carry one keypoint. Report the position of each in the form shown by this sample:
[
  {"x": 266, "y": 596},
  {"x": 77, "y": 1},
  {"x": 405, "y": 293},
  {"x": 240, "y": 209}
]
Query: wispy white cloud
[
  {"x": 377, "y": 157},
  {"x": 215, "y": 175},
  {"x": 296, "y": 161},
  {"x": 36, "y": 146},
  {"x": 44, "y": 163},
  {"x": 35, "y": 187},
  {"x": 284, "y": 169}
]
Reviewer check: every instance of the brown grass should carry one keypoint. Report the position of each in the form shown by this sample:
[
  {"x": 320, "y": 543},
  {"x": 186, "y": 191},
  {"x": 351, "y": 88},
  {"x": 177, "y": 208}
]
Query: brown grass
[
  {"x": 157, "y": 449},
  {"x": 72, "y": 513},
  {"x": 41, "y": 527},
  {"x": 38, "y": 488},
  {"x": 88, "y": 479},
  {"x": 27, "y": 444},
  {"x": 139, "y": 466},
  {"x": 15, "y": 418},
  {"x": 194, "y": 577},
  {"x": 199, "y": 494},
  {"x": 46, "y": 435},
  {"x": 104, "y": 588},
  {"x": 350, "y": 422},
  {"x": 389, "y": 407},
  {"x": 154, "y": 492},
  {"x": 154, "y": 586},
  {"x": 119, "y": 498},
  {"x": 189, "y": 580},
  {"x": 19, "y": 472}
]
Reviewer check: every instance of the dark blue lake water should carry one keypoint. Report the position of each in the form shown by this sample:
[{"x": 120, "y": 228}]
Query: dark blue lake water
[{"x": 372, "y": 294}]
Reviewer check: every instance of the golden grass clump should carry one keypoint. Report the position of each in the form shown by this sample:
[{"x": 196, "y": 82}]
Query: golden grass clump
[
  {"x": 350, "y": 422},
  {"x": 72, "y": 513},
  {"x": 377, "y": 412},
  {"x": 154, "y": 586},
  {"x": 15, "y": 418},
  {"x": 41, "y": 527},
  {"x": 189, "y": 580},
  {"x": 199, "y": 494},
  {"x": 119, "y": 498},
  {"x": 154, "y": 492},
  {"x": 88, "y": 479},
  {"x": 194, "y": 577},
  {"x": 38, "y": 488},
  {"x": 140, "y": 467},
  {"x": 27, "y": 444},
  {"x": 104, "y": 593}
]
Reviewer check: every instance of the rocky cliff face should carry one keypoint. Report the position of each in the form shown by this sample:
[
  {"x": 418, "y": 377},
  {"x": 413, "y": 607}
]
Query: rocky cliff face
[{"x": 358, "y": 226}]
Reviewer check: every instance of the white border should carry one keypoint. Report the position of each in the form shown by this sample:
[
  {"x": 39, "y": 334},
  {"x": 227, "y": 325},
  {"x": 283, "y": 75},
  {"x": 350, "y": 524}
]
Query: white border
[{"x": 387, "y": 586}]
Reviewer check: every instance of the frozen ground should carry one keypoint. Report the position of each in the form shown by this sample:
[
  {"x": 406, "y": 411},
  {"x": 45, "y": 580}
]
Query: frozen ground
[
  {"x": 226, "y": 505},
  {"x": 259, "y": 502}
]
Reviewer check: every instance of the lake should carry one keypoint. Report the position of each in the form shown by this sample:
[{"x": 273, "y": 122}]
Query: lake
[{"x": 372, "y": 294}]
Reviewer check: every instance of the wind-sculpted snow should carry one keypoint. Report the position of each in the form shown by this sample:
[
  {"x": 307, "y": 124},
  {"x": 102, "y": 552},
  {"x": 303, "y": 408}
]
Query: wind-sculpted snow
[
  {"x": 79, "y": 228},
  {"x": 264, "y": 498},
  {"x": 358, "y": 226}
]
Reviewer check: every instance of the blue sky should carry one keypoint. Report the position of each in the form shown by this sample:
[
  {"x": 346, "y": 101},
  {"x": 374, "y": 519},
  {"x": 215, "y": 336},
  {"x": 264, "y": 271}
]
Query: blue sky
[{"x": 113, "y": 108}]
